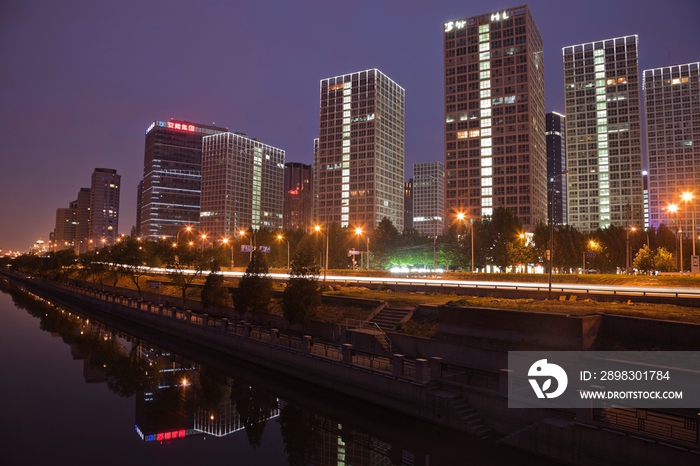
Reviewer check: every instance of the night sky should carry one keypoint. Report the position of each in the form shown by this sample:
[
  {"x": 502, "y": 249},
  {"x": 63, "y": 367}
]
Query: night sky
[{"x": 80, "y": 81}]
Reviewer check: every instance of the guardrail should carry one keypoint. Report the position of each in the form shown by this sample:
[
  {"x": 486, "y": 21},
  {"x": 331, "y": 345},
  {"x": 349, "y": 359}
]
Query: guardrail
[{"x": 657, "y": 424}]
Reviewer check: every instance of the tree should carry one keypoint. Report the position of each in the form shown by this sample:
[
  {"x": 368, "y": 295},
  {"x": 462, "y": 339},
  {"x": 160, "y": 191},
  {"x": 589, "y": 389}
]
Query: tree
[
  {"x": 664, "y": 261},
  {"x": 186, "y": 264},
  {"x": 255, "y": 288},
  {"x": 644, "y": 259},
  {"x": 302, "y": 296},
  {"x": 129, "y": 259},
  {"x": 499, "y": 230},
  {"x": 385, "y": 240},
  {"x": 214, "y": 293}
]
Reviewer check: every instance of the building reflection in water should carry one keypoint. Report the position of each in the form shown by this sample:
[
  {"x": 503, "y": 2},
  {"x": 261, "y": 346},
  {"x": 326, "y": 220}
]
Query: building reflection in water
[{"x": 178, "y": 398}]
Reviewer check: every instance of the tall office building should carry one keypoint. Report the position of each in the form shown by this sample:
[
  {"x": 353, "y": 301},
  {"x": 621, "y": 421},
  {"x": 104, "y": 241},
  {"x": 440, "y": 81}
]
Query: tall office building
[
  {"x": 103, "y": 221},
  {"x": 495, "y": 149},
  {"x": 556, "y": 165},
  {"x": 242, "y": 185},
  {"x": 672, "y": 103},
  {"x": 603, "y": 134},
  {"x": 359, "y": 169},
  {"x": 82, "y": 230},
  {"x": 408, "y": 205},
  {"x": 429, "y": 198},
  {"x": 64, "y": 234},
  {"x": 298, "y": 196},
  {"x": 172, "y": 170}
]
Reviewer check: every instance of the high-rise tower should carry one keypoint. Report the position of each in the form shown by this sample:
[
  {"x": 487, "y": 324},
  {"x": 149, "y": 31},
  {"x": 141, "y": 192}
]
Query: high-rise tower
[
  {"x": 429, "y": 198},
  {"x": 556, "y": 165},
  {"x": 172, "y": 169},
  {"x": 359, "y": 166},
  {"x": 298, "y": 196},
  {"x": 603, "y": 135},
  {"x": 672, "y": 103},
  {"x": 495, "y": 149},
  {"x": 103, "y": 221},
  {"x": 242, "y": 185}
]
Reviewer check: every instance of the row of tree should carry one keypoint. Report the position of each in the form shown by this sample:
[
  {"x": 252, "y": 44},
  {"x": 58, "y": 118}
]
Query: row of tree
[{"x": 498, "y": 241}]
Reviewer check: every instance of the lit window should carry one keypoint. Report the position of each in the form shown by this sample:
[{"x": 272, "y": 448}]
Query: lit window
[{"x": 486, "y": 122}]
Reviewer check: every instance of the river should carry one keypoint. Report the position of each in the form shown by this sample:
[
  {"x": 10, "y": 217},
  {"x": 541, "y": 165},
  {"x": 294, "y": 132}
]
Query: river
[{"x": 78, "y": 392}]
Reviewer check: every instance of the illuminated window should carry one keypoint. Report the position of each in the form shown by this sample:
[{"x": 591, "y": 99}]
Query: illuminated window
[
  {"x": 484, "y": 56},
  {"x": 483, "y": 28},
  {"x": 485, "y": 74},
  {"x": 485, "y": 65},
  {"x": 486, "y": 122},
  {"x": 485, "y": 84},
  {"x": 485, "y": 93},
  {"x": 483, "y": 37},
  {"x": 484, "y": 47},
  {"x": 474, "y": 133},
  {"x": 462, "y": 134}
]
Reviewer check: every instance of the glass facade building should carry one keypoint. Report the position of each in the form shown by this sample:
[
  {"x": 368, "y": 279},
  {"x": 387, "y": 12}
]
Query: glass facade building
[
  {"x": 359, "y": 164},
  {"x": 172, "y": 168},
  {"x": 242, "y": 185},
  {"x": 603, "y": 134},
  {"x": 556, "y": 165},
  {"x": 103, "y": 221},
  {"x": 672, "y": 104},
  {"x": 495, "y": 149},
  {"x": 429, "y": 198}
]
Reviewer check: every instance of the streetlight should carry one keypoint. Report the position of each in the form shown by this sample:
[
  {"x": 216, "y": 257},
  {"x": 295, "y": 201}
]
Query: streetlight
[
  {"x": 177, "y": 237},
  {"x": 317, "y": 228},
  {"x": 280, "y": 237},
  {"x": 461, "y": 217},
  {"x": 551, "y": 231},
  {"x": 688, "y": 197},
  {"x": 250, "y": 239},
  {"x": 204, "y": 237},
  {"x": 225, "y": 241},
  {"x": 673, "y": 209},
  {"x": 358, "y": 231}
]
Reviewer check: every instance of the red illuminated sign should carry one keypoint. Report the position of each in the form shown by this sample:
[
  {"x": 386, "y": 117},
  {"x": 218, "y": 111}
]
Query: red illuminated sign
[
  {"x": 293, "y": 192},
  {"x": 180, "y": 126},
  {"x": 170, "y": 435}
]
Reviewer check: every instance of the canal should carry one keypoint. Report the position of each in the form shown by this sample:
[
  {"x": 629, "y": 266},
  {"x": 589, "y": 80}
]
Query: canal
[{"x": 77, "y": 391}]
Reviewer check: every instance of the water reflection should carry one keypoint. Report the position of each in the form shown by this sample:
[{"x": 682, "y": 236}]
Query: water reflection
[{"x": 180, "y": 392}]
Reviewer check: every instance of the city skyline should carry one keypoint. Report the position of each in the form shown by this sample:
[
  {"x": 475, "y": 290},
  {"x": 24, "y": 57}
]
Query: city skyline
[{"x": 77, "y": 90}]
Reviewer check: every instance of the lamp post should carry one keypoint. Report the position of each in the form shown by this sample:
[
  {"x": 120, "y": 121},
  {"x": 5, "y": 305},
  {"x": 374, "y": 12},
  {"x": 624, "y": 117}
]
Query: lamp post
[
  {"x": 177, "y": 237},
  {"x": 280, "y": 237},
  {"x": 317, "y": 228},
  {"x": 358, "y": 231},
  {"x": 225, "y": 241},
  {"x": 204, "y": 237},
  {"x": 673, "y": 209},
  {"x": 551, "y": 231},
  {"x": 250, "y": 239},
  {"x": 461, "y": 217},
  {"x": 687, "y": 197}
]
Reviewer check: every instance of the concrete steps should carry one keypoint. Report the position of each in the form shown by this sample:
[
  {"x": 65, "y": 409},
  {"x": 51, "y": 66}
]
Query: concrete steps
[
  {"x": 388, "y": 317},
  {"x": 458, "y": 409}
]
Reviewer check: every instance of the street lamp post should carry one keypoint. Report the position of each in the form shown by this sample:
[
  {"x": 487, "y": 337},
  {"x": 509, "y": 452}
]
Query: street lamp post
[
  {"x": 358, "y": 231},
  {"x": 177, "y": 237},
  {"x": 551, "y": 232},
  {"x": 688, "y": 197},
  {"x": 250, "y": 239},
  {"x": 280, "y": 237},
  {"x": 225, "y": 241},
  {"x": 461, "y": 217},
  {"x": 317, "y": 228},
  {"x": 673, "y": 209},
  {"x": 204, "y": 237}
]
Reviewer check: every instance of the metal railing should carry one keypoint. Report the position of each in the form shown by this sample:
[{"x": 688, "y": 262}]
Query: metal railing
[
  {"x": 365, "y": 324},
  {"x": 656, "y": 424}
]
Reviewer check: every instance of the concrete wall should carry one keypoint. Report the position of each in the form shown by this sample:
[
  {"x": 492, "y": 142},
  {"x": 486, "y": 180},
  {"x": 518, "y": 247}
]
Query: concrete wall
[{"x": 499, "y": 329}]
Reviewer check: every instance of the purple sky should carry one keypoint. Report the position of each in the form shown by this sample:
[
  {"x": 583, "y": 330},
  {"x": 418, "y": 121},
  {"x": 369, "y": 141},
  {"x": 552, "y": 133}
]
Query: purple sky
[{"x": 80, "y": 81}]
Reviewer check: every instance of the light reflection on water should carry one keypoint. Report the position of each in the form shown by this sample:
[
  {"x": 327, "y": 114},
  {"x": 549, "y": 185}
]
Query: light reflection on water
[{"x": 86, "y": 393}]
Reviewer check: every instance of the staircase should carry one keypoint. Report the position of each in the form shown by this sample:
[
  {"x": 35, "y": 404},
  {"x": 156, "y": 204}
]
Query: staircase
[
  {"x": 388, "y": 317},
  {"x": 456, "y": 408}
]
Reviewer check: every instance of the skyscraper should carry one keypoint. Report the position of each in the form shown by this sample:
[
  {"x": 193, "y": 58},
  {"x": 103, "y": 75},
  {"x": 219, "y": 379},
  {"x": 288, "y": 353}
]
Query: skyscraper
[
  {"x": 104, "y": 207},
  {"x": 66, "y": 226},
  {"x": 298, "y": 196},
  {"x": 429, "y": 198},
  {"x": 242, "y": 185},
  {"x": 556, "y": 165},
  {"x": 82, "y": 231},
  {"x": 359, "y": 169},
  {"x": 672, "y": 102},
  {"x": 603, "y": 134},
  {"x": 408, "y": 205},
  {"x": 495, "y": 149},
  {"x": 172, "y": 169}
]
